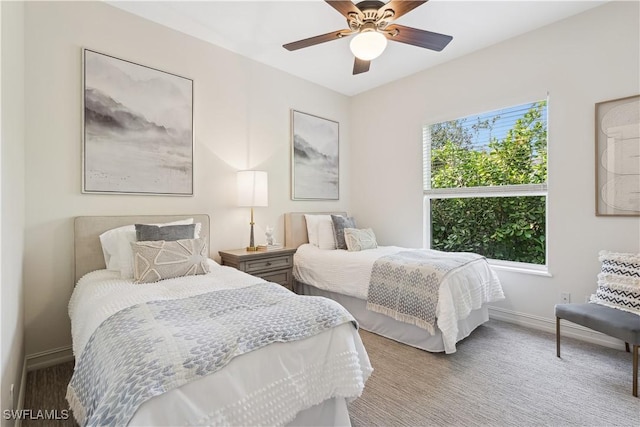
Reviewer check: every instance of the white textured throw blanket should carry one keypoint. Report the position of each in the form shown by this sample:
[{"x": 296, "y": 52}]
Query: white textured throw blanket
[{"x": 407, "y": 285}]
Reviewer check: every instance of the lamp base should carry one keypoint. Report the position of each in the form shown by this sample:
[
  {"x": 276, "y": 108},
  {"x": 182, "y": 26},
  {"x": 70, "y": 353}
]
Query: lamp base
[{"x": 252, "y": 246}]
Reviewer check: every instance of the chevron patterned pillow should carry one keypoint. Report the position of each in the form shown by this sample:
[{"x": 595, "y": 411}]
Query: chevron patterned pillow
[{"x": 619, "y": 281}]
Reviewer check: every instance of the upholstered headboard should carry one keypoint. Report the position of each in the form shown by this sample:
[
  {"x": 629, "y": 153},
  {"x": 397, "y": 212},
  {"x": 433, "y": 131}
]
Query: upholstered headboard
[
  {"x": 87, "y": 230},
  {"x": 295, "y": 227}
]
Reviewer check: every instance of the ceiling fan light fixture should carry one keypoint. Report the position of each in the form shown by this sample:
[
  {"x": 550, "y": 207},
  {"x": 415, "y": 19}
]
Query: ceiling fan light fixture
[{"x": 368, "y": 45}]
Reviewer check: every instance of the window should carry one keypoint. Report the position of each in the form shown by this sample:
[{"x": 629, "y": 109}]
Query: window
[{"x": 485, "y": 184}]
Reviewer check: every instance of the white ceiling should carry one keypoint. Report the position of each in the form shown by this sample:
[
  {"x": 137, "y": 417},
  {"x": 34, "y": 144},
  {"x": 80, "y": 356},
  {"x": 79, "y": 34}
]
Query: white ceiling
[{"x": 258, "y": 29}]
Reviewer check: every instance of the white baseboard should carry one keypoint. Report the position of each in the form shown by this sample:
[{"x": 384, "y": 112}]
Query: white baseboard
[
  {"x": 567, "y": 329},
  {"x": 47, "y": 358}
]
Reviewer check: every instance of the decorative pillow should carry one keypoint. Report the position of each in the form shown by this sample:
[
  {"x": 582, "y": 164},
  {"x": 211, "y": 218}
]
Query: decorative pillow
[
  {"x": 313, "y": 227},
  {"x": 125, "y": 254},
  {"x": 326, "y": 236},
  {"x": 154, "y": 261},
  {"x": 619, "y": 281},
  {"x": 360, "y": 239},
  {"x": 111, "y": 241},
  {"x": 339, "y": 224},
  {"x": 145, "y": 232}
]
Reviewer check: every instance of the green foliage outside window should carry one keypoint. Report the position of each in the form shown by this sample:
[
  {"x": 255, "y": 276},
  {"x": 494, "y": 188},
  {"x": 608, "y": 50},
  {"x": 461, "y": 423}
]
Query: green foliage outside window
[{"x": 504, "y": 228}]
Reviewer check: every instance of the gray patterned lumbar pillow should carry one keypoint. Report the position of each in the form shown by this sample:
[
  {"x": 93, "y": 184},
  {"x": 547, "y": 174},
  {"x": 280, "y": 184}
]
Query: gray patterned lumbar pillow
[
  {"x": 154, "y": 261},
  {"x": 339, "y": 224},
  {"x": 146, "y": 232},
  {"x": 360, "y": 239}
]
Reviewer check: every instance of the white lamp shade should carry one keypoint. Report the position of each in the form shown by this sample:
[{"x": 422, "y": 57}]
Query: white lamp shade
[
  {"x": 368, "y": 45},
  {"x": 253, "y": 189}
]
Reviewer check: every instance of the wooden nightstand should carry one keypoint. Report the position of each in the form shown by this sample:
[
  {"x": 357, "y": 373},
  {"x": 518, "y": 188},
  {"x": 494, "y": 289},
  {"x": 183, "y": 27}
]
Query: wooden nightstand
[{"x": 273, "y": 266}]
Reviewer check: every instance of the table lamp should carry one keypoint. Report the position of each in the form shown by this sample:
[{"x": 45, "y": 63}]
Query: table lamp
[{"x": 252, "y": 192}]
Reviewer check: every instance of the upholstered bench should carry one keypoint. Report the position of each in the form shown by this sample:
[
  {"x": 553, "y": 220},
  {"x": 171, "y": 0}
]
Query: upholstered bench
[{"x": 610, "y": 321}]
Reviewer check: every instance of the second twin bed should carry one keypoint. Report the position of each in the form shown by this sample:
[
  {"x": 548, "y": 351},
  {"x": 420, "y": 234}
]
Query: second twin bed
[{"x": 458, "y": 302}]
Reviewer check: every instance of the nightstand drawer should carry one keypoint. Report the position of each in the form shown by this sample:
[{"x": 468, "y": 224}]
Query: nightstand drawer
[
  {"x": 281, "y": 277},
  {"x": 272, "y": 263}
]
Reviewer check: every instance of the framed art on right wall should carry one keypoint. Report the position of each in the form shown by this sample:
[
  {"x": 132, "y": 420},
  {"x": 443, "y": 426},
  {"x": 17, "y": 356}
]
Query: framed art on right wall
[{"x": 618, "y": 157}]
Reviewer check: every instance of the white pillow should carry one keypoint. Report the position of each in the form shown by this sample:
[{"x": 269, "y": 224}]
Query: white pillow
[
  {"x": 109, "y": 242},
  {"x": 116, "y": 244},
  {"x": 313, "y": 229},
  {"x": 326, "y": 235}
]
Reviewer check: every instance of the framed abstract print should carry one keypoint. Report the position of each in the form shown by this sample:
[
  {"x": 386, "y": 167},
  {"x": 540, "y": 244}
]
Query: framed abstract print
[
  {"x": 618, "y": 157},
  {"x": 137, "y": 128},
  {"x": 315, "y": 143}
]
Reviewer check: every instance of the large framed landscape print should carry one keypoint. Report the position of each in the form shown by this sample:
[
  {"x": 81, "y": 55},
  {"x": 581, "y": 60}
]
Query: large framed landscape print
[
  {"x": 618, "y": 157},
  {"x": 137, "y": 128},
  {"x": 315, "y": 157}
]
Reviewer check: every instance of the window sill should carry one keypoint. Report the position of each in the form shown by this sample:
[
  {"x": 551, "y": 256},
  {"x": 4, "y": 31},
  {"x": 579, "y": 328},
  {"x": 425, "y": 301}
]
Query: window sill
[{"x": 515, "y": 267}]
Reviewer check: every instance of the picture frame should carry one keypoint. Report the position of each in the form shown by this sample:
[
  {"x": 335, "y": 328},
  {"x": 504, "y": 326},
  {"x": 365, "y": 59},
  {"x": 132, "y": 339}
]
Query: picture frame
[
  {"x": 137, "y": 128},
  {"x": 617, "y": 146},
  {"x": 315, "y": 157}
]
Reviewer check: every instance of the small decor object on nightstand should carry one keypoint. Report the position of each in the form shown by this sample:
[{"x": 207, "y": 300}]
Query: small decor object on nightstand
[
  {"x": 269, "y": 234},
  {"x": 270, "y": 247},
  {"x": 271, "y": 241}
]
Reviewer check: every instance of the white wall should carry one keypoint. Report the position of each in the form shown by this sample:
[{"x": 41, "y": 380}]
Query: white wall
[
  {"x": 592, "y": 57},
  {"x": 242, "y": 121},
  {"x": 241, "y": 114},
  {"x": 12, "y": 199}
]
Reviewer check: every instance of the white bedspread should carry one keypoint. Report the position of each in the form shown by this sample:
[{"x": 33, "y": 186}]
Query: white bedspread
[
  {"x": 267, "y": 386},
  {"x": 349, "y": 273},
  {"x": 103, "y": 293}
]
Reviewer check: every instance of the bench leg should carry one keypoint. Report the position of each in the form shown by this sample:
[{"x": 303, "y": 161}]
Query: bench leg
[
  {"x": 626, "y": 346},
  {"x": 635, "y": 370},
  {"x": 557, "y": 336}
]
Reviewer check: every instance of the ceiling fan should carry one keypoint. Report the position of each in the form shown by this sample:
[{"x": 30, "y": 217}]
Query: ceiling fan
[{"x": 372, "y": 23}]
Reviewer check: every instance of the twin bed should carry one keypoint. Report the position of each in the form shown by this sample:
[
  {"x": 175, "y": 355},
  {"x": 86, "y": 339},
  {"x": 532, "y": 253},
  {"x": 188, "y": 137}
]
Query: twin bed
[
  {"x": 226, "y": 348},
  {"x": 133, "y": 370},
  {"x": 344, "y": 276}
]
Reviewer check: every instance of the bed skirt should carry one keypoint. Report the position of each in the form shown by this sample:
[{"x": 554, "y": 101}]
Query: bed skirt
[{"x": 393, "y": 329}]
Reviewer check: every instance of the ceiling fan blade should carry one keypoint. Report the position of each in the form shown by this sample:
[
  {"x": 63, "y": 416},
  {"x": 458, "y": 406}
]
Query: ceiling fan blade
[
  {"x": 416, "y": 37},
  {"x": 399, "y": 7},
  {"x": 345, "y": 8},
  {"x": 360, "y": 66},
  {"x": 311, "y": 41}
]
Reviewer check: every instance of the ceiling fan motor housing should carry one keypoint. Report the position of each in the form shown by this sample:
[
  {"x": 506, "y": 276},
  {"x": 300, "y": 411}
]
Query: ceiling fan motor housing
[
  {"x": 370, "y": 20},
  {"x": 369, "y": 5}
]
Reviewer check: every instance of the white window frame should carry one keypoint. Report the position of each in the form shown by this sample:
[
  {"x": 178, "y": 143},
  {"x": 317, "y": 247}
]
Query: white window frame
[{"x": 521, "y": 190}]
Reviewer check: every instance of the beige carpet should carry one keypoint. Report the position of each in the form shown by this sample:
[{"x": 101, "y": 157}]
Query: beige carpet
[
  {"x": 45, "y": 390},
  {"x": 502, "y": 375}
]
